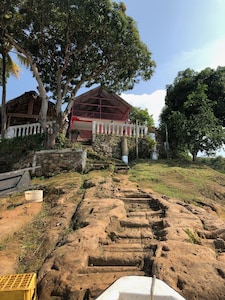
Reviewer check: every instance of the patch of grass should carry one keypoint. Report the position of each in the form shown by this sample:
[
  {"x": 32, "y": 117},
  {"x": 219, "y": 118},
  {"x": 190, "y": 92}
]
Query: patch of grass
[
  {"x": 184, "y": 181},
  {"x": 2, "y": 246},
  {"x": 193, "y": 237},
  {"x": 59, "y": 183},
  {"x": 32, "y": 243}
]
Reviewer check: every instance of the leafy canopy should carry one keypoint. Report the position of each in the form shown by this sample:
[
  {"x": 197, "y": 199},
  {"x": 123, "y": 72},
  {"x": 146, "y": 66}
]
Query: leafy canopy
[
  {"x": 78, "y": 43},
  {"x": 141, "y": 116},
  {"x": 192, "y": 113}
]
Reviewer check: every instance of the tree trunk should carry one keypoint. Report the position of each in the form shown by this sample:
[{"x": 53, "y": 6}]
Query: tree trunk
[
  {"x": 194, "y": 156},
  {"x": 41, "y": 88},
  {"x": 3, "y": 109}
]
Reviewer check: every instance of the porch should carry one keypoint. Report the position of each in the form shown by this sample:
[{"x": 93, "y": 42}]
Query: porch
[{"x": 104, "y": 127}]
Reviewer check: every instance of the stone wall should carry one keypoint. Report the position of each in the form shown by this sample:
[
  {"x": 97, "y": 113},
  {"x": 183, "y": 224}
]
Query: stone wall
[
  {"x": 51, "y": 162},
  {"x": 110, "y": 146},
  {"x": 107, "y": 146}
]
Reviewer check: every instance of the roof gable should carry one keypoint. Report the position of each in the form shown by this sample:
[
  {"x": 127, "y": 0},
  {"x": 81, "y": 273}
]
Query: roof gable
[{"x": 101, "y": 100}]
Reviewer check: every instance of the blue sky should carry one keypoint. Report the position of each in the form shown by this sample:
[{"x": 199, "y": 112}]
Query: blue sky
[{"x": 180, "y": 34}]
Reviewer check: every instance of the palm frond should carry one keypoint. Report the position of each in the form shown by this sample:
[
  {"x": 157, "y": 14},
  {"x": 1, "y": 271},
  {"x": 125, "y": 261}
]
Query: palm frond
[
  {"x": 23, "y": 60},
  {"x": 12, "y": 67}
]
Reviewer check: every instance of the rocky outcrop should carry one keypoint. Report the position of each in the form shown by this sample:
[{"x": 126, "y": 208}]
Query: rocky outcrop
[{"x": 118, "y": 229}]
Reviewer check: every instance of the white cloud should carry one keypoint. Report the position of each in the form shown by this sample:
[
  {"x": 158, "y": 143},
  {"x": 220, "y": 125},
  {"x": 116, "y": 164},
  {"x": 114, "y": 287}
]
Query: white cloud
[
  {"x": 153, "y": 102},
  {"x": 210, "y": 55}
]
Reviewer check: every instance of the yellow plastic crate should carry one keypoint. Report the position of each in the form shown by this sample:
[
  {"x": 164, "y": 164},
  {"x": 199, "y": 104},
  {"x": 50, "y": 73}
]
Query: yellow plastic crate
[{"x": 18, "y": 287}]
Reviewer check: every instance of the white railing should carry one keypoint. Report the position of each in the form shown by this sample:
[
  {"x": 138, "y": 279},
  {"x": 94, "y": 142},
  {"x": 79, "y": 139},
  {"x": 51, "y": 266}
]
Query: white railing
[
  {"x": 118, "y": 129},
  {"x": 23, "y": 130},
  {"x": 98, "y": 127}
]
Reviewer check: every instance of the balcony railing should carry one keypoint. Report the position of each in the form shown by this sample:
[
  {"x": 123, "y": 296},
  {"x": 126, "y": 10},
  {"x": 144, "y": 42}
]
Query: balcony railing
[
  {"x": 118, "y": 129},
  {"x": 23, "y": 130},
  {"x": 98, "y": 127}
]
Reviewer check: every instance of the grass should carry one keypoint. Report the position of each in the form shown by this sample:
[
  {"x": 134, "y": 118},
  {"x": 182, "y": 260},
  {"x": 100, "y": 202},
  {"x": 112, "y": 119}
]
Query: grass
[
  {"x": 193, "y": 237},
  {"x": 189, "y": 182}
]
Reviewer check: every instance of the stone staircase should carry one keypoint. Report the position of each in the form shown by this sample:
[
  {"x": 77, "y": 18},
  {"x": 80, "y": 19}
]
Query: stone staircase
[
  {"x": 116, "y": 165},
  {"x": 130, "y": 247}
]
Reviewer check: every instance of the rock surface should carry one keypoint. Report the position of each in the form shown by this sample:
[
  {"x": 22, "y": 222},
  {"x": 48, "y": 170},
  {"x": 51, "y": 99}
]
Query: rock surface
[
  {"x": 119, "y": 229},
  {"x": 111, "y": 228}
]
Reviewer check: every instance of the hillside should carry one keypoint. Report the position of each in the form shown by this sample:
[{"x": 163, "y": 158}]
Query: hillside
[{"x": 162, "y": 218}]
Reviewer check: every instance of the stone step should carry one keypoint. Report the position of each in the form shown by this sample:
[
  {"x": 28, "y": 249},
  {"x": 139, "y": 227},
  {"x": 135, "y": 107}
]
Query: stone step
[
  {"x": 99, "y": 165},
  {"x": 135, "y": 233},
  {"x": 109, "y": 269},
  {"x": 142, "y": 241},
  {"x": 145, "y": 214},
  {"x": 141, "y": 251},
  {"x": 114, "y": 259},
  {"x": 134, "y": 223},
  {"x": 122, "y": 169},
  {"x": 101, "y": 281},
  {"x": 136, "y": 198},
  {"x": 129, "y": 246}
]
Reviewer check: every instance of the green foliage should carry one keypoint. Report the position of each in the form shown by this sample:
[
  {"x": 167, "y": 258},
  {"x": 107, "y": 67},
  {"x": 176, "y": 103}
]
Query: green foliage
[
  {"x": 142, "y": 116},
  {"x": 60, "y": 140},
  {"x": 193, "y": 237},
  {"x": 9, "y": 14},
  {"x": 81, "y": 43},
  {"x": 204, "y": 131},
  {"x": 216, "y": 163},
  {"x": 191, "y": 112},
  {"x": 145, "y": 147},
  {"x": 11, "y": 150}
]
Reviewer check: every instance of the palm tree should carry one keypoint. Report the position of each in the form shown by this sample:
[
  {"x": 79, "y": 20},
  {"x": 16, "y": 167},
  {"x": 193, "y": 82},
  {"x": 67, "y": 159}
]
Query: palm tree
[{"x": 7, "y": 67}]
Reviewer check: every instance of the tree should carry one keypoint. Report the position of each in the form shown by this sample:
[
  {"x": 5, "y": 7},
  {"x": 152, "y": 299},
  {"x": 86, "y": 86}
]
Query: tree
[
  {"x": 215, "y": 81},
  {"x": 190, "y": 115},
  {"x": 177, "y": 92},
  {"x": 7, "y": 65},
  {"x": 171, "y": 128},
  {"x": 142, "y": 116},
  {"x": 75, "y": 43},
  {"x": 203, "y": 130}
]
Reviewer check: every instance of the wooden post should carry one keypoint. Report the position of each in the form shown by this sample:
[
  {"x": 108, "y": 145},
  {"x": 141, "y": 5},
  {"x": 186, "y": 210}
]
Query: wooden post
[
  {"x": 137, "y": 154},
  {"x": 94, "y": 131},
  {"x": 167, "y": 143}
]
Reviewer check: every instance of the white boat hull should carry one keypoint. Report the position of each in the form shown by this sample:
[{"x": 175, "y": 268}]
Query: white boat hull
[{"x": 139, "y": 288}]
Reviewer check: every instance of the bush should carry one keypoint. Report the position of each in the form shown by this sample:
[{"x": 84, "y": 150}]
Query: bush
[{"x": 11, "y": 150}]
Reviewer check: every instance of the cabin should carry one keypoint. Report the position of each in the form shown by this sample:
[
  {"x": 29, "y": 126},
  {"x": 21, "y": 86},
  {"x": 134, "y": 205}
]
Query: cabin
[
  {"x": 99, "y": 111},
  {"x": 95, "y": 112},
  {"x": 22, "y": 114}
]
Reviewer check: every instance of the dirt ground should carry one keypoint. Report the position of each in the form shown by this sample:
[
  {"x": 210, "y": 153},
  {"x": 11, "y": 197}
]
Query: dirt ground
[{"x": 14, "y": 215}]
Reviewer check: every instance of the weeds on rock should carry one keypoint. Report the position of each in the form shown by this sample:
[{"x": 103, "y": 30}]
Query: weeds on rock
[{"x": 193, "y": 237}]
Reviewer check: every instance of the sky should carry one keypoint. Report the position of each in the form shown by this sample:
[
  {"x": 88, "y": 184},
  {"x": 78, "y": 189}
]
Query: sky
[{"x": 180, "y": 34}]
